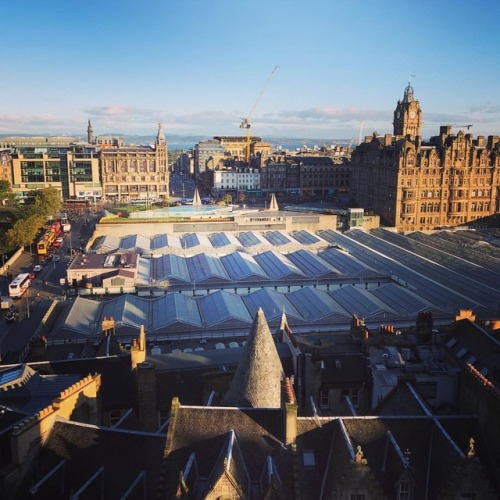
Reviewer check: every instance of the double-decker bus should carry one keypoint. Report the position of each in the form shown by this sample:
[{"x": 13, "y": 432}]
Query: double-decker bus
[
  {"x": 19, "y": 285},
  {"x": 48, "y": 238}
]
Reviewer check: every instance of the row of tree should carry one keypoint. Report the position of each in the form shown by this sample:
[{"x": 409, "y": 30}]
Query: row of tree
[{"x": 23, "y": 221}]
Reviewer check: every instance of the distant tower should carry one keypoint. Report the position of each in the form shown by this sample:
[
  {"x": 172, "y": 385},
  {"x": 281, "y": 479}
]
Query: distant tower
[
  {"x": 90, "y": 134},
  {"x": 161, "y": 149},
  {"x": 408, "y": 115},
  {"x": 162, "y": 158}
]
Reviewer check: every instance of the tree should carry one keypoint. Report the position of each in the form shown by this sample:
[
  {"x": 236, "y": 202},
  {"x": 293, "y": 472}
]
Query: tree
[
  {"x": 7, "y": 196},
  {"x": 41, "y": 202},
  {"x": 24, "y": 231}
]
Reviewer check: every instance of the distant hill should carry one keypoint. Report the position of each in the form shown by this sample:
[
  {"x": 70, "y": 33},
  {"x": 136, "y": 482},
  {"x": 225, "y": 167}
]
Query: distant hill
[{"x": 189, "y": 141}]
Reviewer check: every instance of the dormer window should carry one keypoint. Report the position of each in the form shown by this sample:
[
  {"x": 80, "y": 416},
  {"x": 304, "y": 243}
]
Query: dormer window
[{"x": 404, "y": 491}]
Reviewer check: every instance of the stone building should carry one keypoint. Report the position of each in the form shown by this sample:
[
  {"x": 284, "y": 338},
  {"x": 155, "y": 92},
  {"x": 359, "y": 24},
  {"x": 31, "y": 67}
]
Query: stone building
[
  {"x": 414, "y": 185},
  {"x": 208, "y": 155},
  {"x": 308, "y": 175},
  {"x": 136, "y": 172},
  {"x": 236, "y": 180}
]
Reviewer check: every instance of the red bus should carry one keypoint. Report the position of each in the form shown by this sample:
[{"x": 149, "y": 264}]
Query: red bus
[{"x": 77, "y": 203}]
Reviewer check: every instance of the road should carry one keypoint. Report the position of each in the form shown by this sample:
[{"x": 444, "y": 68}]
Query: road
[
  {"x": 43, "y": 290},
  {"x": 181, "y": 187}
]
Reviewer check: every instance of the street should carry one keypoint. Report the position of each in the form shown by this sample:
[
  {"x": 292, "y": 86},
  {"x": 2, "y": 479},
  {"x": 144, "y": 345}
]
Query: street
[{"x": 43, "y": 290}]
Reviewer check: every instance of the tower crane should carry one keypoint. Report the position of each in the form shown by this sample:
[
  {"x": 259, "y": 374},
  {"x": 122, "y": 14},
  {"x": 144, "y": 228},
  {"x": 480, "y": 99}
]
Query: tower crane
[{"x": 245, "y": 124}]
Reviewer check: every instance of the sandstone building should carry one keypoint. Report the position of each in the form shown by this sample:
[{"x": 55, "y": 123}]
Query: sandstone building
[
  {"x": 416, "y": 185},
  {"x": 136, "y": 172}
]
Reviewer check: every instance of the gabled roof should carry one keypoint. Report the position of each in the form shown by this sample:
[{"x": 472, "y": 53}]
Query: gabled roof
[
  {"x": 83, "y": 450},
  {"x": 230, "y": 469},
  {"x": 205, "y": 430},
  {"x": 257, "y": 381}
]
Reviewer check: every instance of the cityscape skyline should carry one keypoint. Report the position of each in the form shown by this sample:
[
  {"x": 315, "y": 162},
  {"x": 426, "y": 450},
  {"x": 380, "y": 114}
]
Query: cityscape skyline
[{"x": 200, "y": 68}]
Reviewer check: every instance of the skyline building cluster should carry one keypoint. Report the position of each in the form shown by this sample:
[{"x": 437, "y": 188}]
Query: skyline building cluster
[{"x": 449, "y": 180}]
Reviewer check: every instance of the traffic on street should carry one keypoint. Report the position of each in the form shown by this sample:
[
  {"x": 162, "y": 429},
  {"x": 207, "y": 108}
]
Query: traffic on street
[{"x": 20, "y": 317}]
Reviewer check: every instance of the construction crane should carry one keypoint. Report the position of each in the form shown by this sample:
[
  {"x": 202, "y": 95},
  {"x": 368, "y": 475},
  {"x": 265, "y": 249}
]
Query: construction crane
[{"x": 246, "y": 121}]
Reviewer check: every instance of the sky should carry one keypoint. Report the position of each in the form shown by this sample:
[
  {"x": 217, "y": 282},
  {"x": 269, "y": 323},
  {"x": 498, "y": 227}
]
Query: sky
[{"x": 200, "y": 67}]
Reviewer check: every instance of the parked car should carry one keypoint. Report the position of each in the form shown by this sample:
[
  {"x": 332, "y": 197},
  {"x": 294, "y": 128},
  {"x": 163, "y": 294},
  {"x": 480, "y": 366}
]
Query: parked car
[{"x": 12, "y": 315}]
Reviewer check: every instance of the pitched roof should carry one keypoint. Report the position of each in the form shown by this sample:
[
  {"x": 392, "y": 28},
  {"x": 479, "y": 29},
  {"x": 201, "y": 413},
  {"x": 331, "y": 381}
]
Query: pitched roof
[
  {"x": 205, "y": 430},
  {"x": 84, "y": 449},
  {"x": 257, "y": 381}
]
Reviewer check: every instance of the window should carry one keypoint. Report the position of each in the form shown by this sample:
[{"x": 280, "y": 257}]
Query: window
[
  {"x": 324, "y": 403},
  {"x": 114, "y": 416},
  {"x": 404, "y": 491},
  {"x": 353, "y": 394},
  {"x": 308, "y": 459},
  {"x": 357, "y": 496}
]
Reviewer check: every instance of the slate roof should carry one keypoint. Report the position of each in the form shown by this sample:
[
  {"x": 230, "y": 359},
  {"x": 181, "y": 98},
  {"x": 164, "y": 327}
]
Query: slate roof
[
  {"x": 29, "y": 391},
  {"x": 420, "y": 450},
  {"x": 84, "y": 449},
  {"x": 204, "y": 431}
]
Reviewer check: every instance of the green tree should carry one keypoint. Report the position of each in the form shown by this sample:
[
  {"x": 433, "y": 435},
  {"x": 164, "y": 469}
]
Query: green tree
[
  {"x": 24, "y": 231},
  {"x": 41, "y": 202},
  {"x": 7, "y": 196}
]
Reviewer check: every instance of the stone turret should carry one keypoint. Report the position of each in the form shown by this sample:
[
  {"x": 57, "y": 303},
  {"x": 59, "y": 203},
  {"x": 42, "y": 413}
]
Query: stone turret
[
  {"x": 90, "y": 133},
  {"x": 257, "y": 380}
]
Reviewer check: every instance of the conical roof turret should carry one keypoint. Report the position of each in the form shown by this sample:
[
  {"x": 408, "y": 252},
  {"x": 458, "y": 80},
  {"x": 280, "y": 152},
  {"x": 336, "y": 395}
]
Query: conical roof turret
[
  {"x": 160, "y": 136},
  {"x": 273, "y": 206},
  {"x": 257, "y": 380},
  {"x": 196, "y": 198}
]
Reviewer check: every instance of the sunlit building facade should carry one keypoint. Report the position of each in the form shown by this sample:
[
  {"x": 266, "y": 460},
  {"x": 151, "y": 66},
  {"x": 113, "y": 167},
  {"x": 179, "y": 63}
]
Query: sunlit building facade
[
  {"x": 135, "y": 172},
  {"x": 414, "y": 185}
]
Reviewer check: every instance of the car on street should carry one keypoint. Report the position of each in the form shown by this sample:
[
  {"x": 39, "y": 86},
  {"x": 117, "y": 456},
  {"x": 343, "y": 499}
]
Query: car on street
[
  {"x": 56, "y": 258},
  {"x": 37, "y": 268},
  {"x": 12, "y": 315}
]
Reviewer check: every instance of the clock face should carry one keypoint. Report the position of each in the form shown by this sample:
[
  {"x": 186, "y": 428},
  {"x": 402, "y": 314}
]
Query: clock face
[
  {"x": 413, "y": 114},
  {"x": 398, "y": 115}
]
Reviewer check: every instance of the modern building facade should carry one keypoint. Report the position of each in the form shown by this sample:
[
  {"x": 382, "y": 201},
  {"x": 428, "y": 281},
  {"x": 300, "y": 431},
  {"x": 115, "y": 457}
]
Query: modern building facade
[
  {"x": 64, "y": 163},
  {"x": 415, "y": 185},
  {"x": 135, "y": 172}
]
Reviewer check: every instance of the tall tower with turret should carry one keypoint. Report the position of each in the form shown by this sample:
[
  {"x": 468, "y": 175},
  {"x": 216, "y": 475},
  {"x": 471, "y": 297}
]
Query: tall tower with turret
[
  {"x": 407, "y": 115},
  {"x": 90, "y": 133},
  {"x": 162, "y": 157}
]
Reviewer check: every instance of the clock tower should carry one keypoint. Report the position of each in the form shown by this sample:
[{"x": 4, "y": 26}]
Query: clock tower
[{"x": 408, "y": 115}]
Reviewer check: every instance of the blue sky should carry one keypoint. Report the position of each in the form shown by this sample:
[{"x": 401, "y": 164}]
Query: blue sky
[{"x": 198, "y": 66}]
